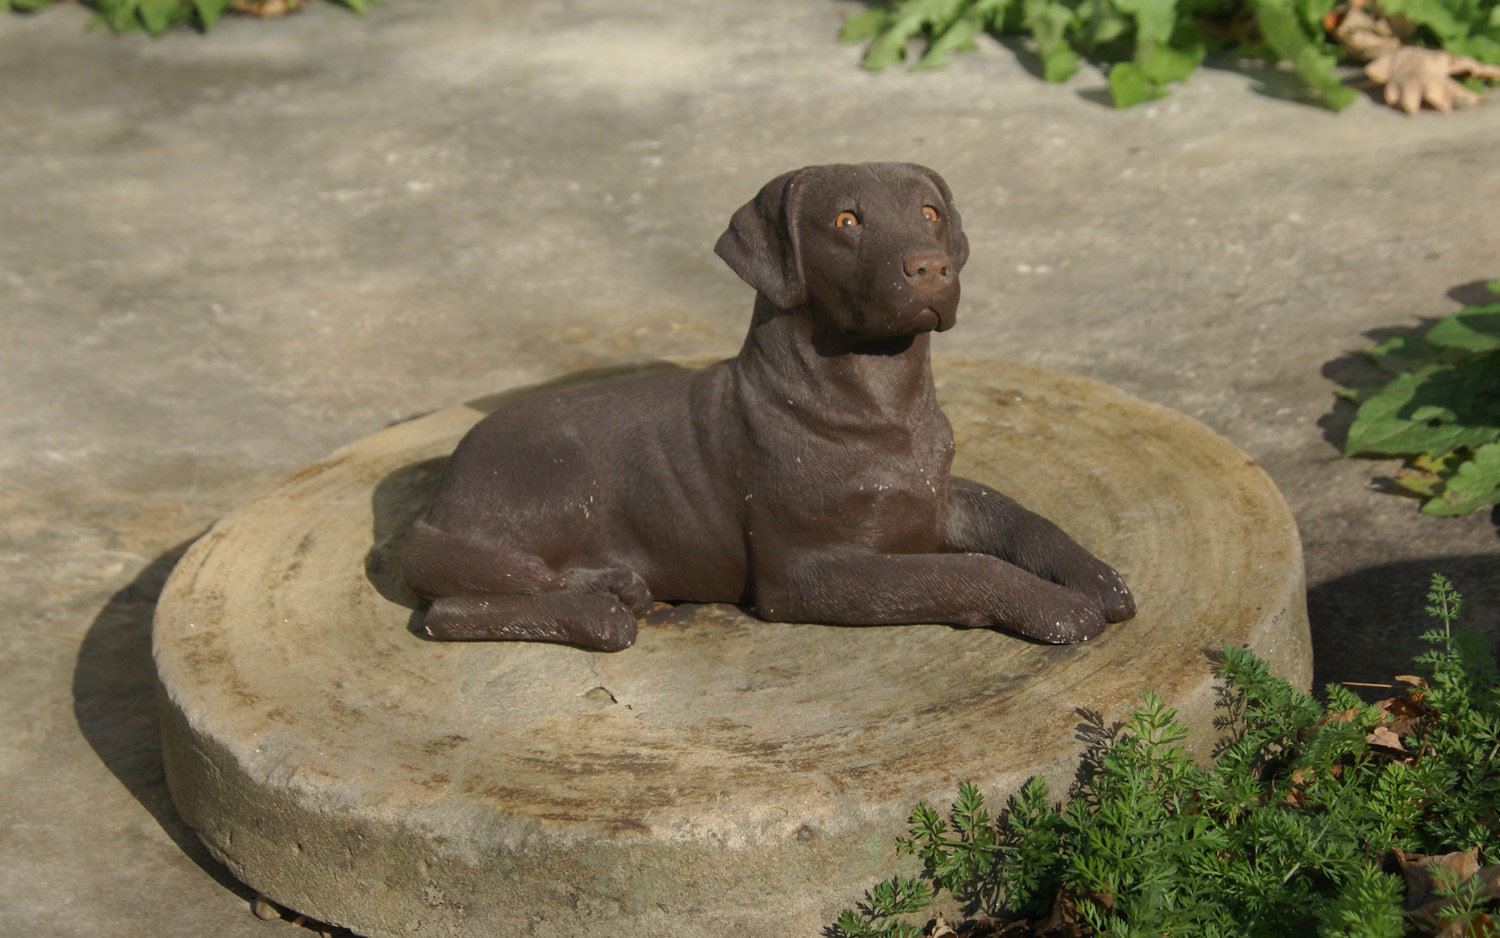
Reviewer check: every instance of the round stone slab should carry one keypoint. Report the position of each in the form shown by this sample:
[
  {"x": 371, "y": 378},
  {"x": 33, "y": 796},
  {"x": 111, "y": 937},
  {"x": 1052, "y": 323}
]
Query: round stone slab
[{"x": 724, "y": 776}]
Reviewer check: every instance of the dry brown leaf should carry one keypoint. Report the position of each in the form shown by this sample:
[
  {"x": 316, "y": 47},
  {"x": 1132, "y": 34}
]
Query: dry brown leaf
[
  {"x": 266, "y": 8},
  {"x": 1413, "y": 75},
  {"x": 1426, "y": 876},
  {"x": 1066, "y": 920},
  {"x": 1479, "y": 925},
  {"x": 1404, "y": 714},
  {"x": 1423, "y": 873},
  {"x": 1383, "y": 737},
  {"x": 1363, "y": 35},
  {"x": 1343, "y": 716}
]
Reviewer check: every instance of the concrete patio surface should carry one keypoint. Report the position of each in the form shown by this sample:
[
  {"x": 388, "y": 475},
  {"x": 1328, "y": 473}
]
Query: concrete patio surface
[{"x": 223, "y": 256}]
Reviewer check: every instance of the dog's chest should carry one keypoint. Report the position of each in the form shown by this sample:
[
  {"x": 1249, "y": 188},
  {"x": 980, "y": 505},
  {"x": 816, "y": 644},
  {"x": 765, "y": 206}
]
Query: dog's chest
[
  {"x": 899, "y": 484},
  {"x": 885, "y": 488}
]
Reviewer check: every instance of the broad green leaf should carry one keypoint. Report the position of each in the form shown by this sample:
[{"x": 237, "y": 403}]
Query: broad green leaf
[
  {"x": 1424, "y": 476},
  {"x": 866, "y": 25},
  {"x": 1475, "y": 329},
  {"x": 1429, "y": 13},
  {"x": 157, "y": 15},
  {"x": 1406, "y": 352},
  {"x": 358, "y": 6},
  {"x": 209, "y": 11},
  {"x": 1106, "y": 28},
  {"x": 1485, "y": 48},
  {"x": 996, "y": 14},
  {"x": 1154, "y": 20},
  {"x": 1129, "y": 86},
  {"x": 1311, "y": 13},
  {"x": 887, "y": 49},
  {"x": 957, "y": 37},
  {"x": 1048, "y": 21},
  {"x": 1435, "y": 410},
  {"x": 905, "y": 20},
  {"x": 1289, "y": 40},
  {"x": 1475, "y": 485},
  {"x": 121, "y": 17},
  {"x": 1131, "y": 83},
  {"x": 1165, "y": 64}
]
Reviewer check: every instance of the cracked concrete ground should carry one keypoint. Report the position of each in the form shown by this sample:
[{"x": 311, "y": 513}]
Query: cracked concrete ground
[{"x": 222, "y": 256}]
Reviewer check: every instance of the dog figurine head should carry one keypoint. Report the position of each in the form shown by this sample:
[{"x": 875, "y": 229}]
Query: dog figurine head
[{"x": 870, "y": 251}]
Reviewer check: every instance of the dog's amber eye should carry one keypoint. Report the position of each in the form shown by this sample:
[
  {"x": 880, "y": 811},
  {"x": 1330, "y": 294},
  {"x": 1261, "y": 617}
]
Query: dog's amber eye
[
  {"x": 929, "y": 213},
  {"x": 846, "y": 220}
]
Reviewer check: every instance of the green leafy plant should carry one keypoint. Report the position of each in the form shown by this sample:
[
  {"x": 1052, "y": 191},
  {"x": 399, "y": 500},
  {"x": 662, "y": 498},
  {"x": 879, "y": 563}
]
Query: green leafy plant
[
  {"x": 157, "y": 16},
  {"x": 1441, "y": 411},
  {"x": 1148, "y": 44},
  {"x": 1289, "y": 832}
]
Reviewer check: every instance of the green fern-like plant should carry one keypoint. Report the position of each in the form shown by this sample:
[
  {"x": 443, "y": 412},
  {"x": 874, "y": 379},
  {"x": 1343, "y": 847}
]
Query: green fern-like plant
[{"x": 1282, "y": 835}]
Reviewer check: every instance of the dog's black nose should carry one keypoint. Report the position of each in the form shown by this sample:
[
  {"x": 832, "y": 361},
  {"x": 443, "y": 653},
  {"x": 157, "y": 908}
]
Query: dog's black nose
[{"x": 929, "y": 272}]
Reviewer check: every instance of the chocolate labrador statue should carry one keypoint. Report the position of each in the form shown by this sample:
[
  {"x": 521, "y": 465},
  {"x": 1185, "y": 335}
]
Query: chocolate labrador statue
[{"x": 807, "y": 477}]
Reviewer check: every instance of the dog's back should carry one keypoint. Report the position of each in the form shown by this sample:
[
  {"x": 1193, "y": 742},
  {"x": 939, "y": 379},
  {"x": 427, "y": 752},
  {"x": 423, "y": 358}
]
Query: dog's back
[{"x": 612, "y": 476}]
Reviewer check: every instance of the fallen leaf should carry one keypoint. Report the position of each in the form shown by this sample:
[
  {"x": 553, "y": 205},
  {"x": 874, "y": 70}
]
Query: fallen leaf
[
  {"x": 1383, "y": 737},
  {"x": 1404, "y": 714},
  {"x": 1431, "y": 879},
  {"x": 1343, "y": 716},
  {"x": 1066, "y": 920},
  {"x": 1363, "y": 35},
  {"x": 1425, "y": 874},
  {"x": 1413, "y": 75},
  {"x": 266, "y": 8}
]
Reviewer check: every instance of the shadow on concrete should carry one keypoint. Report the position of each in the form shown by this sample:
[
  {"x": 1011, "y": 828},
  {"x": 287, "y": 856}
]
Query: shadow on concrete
[
  {"x": 114, "y": 702},
  {"x": 1367, "y": 625}
]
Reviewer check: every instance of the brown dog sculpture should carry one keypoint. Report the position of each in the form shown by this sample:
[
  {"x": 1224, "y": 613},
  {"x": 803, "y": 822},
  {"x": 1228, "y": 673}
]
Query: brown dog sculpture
[{"x": 807, "y": 477}]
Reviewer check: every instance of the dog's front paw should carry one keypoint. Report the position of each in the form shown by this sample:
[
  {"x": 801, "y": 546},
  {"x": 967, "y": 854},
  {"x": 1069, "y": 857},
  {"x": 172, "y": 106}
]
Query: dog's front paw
[
  {"x": 1097, "y": 580},
  {"x": 1112, "y": 595},
  {"x": 1063, "y": 617}
]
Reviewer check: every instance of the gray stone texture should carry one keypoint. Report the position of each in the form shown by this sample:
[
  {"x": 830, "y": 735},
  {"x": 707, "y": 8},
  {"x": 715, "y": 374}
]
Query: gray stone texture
[{"x": 222, "y": 257}]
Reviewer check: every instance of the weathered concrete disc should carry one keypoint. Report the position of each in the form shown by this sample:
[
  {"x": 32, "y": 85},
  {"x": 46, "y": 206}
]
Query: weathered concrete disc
[{"x": 725, "y": 776}]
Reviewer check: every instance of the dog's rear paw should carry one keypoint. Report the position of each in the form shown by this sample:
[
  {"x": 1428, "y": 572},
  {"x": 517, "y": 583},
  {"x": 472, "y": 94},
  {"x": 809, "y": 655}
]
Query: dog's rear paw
[
  {"x": 623, "y": 583},
  {"x": 613, "y": 631}
]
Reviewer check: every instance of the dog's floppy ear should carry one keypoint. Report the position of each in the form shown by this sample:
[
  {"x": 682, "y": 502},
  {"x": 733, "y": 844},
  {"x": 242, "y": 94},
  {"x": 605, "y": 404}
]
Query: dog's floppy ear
[
  {"x": 958, "y": 242},
  {"x": 762, "y": 246}
]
